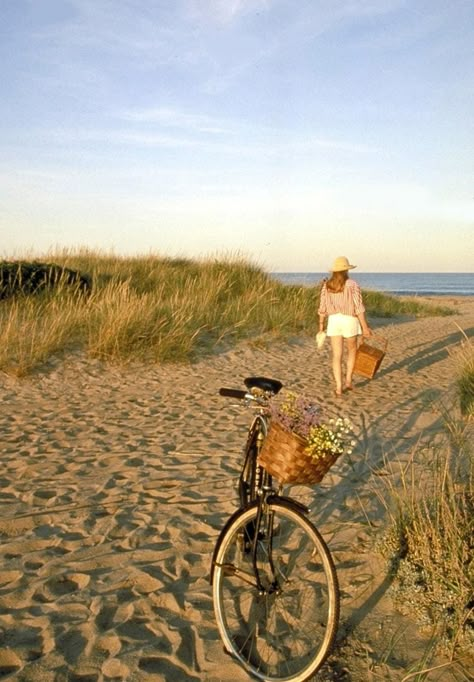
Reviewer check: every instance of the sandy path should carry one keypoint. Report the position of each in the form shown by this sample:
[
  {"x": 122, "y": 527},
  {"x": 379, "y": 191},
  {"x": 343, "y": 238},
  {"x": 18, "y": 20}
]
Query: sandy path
[{"x": 115, "y": 483}]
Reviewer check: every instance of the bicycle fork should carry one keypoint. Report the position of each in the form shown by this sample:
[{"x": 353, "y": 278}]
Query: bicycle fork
[{"x": 264, "y": 535}]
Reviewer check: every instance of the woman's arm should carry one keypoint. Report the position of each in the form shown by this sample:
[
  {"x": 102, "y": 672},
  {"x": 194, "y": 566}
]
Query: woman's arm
[
  {"x": 322, "y": 310},
  {"x": 366, "y": 330},
  {"x": 360, "y": 309}
]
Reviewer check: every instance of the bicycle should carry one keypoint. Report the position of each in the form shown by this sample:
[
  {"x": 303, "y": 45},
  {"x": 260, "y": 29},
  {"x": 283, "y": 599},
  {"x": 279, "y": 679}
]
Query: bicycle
[{"x": 275, "y": 589}]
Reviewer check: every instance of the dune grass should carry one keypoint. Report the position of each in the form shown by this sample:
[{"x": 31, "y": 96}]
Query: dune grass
[
  {"x": 385, "y": 305},
  {"x": 465, "y": 377},
  {"x": 430, "y": 536},
  {"x": 158, "y": 309}
]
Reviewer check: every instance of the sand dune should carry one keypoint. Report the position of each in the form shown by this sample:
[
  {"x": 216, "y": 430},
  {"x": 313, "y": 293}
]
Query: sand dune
[{"x": 115, "y": 483}]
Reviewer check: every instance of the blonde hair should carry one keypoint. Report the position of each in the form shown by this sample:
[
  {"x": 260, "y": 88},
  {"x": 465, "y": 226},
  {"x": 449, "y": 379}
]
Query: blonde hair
[{"x": 337, "y": 281}]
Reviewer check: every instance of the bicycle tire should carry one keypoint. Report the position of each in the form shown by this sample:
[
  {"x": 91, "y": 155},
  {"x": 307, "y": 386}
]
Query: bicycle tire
[{"x": 284, "y": 635}]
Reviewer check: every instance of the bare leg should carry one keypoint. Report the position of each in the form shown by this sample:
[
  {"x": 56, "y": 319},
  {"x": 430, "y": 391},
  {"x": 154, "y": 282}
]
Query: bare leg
[
  {"x": 337, "y": 344},
  {"x": 351, "y": 356}
]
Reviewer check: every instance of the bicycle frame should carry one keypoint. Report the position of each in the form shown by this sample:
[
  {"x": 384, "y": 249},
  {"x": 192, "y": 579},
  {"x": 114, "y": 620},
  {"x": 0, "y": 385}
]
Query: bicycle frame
[
  {"x": 256, "y": 436},
  {"x": 255, "y": 484}
]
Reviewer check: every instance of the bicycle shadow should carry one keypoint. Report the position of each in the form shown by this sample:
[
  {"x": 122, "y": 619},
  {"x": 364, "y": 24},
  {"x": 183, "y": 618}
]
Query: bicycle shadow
[
  {"x": 379, "y": 443},
  {"x": 350, "y": 505}
]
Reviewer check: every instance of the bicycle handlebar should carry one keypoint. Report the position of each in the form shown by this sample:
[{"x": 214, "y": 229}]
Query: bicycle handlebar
[{"x": 234, "y": 393}]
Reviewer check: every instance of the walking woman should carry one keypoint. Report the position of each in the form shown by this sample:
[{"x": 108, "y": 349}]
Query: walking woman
[{"x": 341, "y": 302}]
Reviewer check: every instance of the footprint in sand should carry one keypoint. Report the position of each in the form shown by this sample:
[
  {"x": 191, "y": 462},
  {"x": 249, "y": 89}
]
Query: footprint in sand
[
  {"x": 33, "y": 566},
  {"x": 115, "y": 669},
  {"x": 108, "y": 643},
  {"x": 165, "y": 668},
  {"x": 9, "y": 577},
  {"x": 9, "y": 662},
  {"x": 65, "y": 584},
  {"x": 45, "y": 494}
]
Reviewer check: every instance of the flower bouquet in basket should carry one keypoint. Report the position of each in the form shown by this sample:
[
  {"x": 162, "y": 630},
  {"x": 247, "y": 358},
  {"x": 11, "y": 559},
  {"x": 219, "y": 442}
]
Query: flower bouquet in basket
[{"x": 300, "y": 446}]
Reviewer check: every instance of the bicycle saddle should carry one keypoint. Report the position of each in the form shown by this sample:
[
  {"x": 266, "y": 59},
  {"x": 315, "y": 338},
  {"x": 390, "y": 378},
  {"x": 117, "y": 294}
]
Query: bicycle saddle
[{"x": 271, "y": 385}]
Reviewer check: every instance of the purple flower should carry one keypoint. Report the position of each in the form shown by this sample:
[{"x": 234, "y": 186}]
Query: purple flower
[{"x": 296, "y": 414}]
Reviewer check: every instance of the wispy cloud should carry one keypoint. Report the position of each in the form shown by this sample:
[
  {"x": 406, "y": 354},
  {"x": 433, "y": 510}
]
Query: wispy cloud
[
  {"x": 230, "y": 132},
  {"x": 116, "y": 137},
  {"x": 130, "y": 28},
  {"x": 226, "y": 11},
  {"x": 175, "y": 131},
  {"x": 220, "y": 41},
  {"x": 286, "y": 27},
  {"x": 174, "y": 118},
  {"x": 210, "y": 137}
]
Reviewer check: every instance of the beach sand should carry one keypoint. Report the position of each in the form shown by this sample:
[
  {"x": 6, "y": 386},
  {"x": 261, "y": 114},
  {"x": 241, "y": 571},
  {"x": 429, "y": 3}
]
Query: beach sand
[{"x": 115, "y": 483}]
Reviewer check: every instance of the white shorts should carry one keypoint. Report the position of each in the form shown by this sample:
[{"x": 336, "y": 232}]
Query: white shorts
[{"x": 343, "y": 325}]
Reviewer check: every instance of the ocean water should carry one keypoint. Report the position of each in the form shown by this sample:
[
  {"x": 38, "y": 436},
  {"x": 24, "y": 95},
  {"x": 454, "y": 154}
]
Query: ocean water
[{"x": 399, "y": 283}]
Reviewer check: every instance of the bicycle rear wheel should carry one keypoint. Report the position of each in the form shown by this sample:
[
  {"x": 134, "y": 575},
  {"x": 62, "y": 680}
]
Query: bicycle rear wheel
[{"x": 283, "y": 629}]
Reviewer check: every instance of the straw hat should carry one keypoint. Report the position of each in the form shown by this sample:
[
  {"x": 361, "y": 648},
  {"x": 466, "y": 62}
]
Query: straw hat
[{"x": 341, "y": 263}]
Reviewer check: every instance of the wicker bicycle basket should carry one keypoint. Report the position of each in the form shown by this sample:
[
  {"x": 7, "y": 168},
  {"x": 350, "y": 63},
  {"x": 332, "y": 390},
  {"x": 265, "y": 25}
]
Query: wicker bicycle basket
[{"x": 283, "y": 456}]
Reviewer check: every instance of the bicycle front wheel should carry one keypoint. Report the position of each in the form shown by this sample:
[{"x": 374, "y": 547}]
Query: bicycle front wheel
[{"x": 277, "y": 608}]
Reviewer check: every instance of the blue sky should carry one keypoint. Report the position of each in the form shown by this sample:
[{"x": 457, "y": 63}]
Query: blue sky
[{"x": 287, "y": 131}]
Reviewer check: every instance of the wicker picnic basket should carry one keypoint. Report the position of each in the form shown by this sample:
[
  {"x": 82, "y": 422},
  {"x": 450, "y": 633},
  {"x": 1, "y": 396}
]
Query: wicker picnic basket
[
  {"x": 369, "y": 357},
  {"x": 283, "y": 456}
]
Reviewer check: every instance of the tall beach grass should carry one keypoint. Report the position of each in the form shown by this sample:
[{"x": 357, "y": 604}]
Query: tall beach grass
[
  {"x": 430, "y": 534},
  {"x": 465, "y": 376},
  {"x": 159, "y": 309}
]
